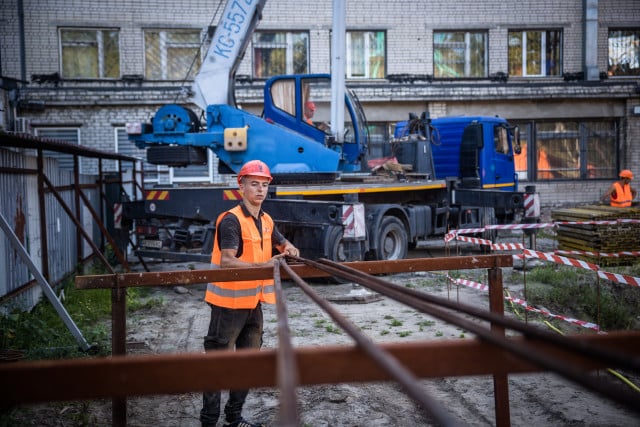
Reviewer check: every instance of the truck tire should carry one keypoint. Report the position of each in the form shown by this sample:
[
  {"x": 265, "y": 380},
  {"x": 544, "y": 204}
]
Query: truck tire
[
  {"x": 334, "y": 247},
  {"x": 392, "y": 239}
]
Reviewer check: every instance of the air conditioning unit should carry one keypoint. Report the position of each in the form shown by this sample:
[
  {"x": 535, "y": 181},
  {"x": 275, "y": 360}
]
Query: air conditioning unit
[{"x": 22, "y": 125}]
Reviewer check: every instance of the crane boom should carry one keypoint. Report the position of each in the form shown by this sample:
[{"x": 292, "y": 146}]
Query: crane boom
[{"x": 214, "y": 82}]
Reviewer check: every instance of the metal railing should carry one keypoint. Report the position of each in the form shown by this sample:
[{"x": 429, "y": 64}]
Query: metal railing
[{"x": 492, "y": 353}]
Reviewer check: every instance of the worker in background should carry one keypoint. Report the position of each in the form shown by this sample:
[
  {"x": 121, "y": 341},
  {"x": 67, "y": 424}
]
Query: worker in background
[
  {"x": 308, "y": 111},
  {"x": 620, "y": 193},
  {"x": 245, "y": 237}
]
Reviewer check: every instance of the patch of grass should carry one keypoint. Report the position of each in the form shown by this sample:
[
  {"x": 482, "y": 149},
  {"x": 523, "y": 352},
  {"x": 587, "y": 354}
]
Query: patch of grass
[
  {"x": 425, "y": 323},
  {"x": 332, "y": 329},
  {"x": 395, "y": 323},
  {"x": 42, "y": 334},
  {"x": 404, "y": 334},
  {"x": 575, "y": 292},
  {"x": 439, "y": 334},
  {"x": 384, "y": 332}
]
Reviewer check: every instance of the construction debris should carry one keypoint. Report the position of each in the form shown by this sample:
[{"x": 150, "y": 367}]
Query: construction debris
[{"x": 599, "y": 234}]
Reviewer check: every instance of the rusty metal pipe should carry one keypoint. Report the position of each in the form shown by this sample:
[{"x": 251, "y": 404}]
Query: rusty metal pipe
[
  {"x": 592, "y": 350},
  {"x": 287, "y": 366},
  {"x": 383, "y": 359},
  {"x": 528, "y": 352}
]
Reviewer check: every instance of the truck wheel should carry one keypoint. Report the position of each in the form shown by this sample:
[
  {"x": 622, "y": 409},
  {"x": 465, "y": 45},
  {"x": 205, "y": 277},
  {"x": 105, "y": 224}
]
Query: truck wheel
[
  {"x": 334, "y": 248},
  {"x": 392, "y": 239}
]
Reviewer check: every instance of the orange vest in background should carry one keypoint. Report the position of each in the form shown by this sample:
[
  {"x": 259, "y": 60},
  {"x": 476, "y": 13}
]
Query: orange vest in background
[
  {"x": 255, "y": 248},
  {"x": 623, "y": 196}
]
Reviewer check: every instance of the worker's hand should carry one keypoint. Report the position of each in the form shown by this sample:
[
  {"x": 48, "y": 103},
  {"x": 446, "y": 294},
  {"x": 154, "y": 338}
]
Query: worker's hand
[{"x": 289, "y": 249}]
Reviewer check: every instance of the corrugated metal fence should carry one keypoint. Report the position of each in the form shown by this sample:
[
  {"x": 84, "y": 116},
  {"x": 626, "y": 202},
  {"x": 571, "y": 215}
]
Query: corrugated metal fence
[
  {"x": 20, "y": 206},
  {"x": 23, "y": 206}
]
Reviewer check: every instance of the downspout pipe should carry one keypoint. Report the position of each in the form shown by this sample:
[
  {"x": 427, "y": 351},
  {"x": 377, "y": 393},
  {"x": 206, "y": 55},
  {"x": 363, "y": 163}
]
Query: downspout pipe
[{"x": 590, "y": 53}]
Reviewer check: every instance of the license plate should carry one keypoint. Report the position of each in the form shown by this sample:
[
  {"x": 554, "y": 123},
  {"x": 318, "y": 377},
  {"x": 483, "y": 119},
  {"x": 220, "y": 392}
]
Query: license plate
[{"x": 157, "y": 244}]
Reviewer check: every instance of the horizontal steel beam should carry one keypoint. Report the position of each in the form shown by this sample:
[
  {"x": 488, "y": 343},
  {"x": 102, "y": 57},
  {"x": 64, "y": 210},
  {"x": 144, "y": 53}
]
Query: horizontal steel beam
[
  {"x": 120, "y": 376},
  {"x": 192, "y": 277}
]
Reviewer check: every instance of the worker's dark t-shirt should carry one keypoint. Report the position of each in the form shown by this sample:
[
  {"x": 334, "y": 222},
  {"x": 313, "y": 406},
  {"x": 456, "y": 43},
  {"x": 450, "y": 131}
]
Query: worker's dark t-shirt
[{"x": 230, "y": 235}]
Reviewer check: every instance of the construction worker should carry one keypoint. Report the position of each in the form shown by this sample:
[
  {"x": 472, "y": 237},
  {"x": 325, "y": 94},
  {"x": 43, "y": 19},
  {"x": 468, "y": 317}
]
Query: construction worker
[
  {"x": 620, "y": 193},
  {"x": 245, "y": 237},
  {"x": 308, "y": 111}
]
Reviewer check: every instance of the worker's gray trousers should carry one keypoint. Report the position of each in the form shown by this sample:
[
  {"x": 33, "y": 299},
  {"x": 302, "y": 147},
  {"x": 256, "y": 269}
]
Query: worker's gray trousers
[{"x": 230, "y": 329}]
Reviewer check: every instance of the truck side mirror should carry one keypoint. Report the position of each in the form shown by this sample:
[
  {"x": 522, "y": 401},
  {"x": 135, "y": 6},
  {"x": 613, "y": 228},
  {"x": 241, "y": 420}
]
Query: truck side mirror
[{"x": 517, "y": 148}]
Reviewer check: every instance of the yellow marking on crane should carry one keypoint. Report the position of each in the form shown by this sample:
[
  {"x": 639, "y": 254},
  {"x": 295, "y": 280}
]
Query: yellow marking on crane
[
  {"x": 507, "y": 184},
  {"x": 356, "y": 190}
]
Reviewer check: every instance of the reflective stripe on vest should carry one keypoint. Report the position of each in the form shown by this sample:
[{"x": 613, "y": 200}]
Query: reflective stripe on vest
[
  {"x": 623, "y": 196},
  {"x": 246, "y": 293}
]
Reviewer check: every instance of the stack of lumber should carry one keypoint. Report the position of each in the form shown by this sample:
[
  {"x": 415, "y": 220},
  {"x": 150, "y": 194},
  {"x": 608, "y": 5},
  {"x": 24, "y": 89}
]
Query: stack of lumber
[{"x": 599, "y": 238}]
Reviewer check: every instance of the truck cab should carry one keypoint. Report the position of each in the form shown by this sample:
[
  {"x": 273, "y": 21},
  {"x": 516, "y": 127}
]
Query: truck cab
[
  {"x": 286, "y": 98},
  {"x": 478, "y": 150}
]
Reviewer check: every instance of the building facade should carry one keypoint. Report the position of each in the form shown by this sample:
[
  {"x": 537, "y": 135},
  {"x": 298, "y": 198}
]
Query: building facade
[{"x": 567, "y": 73}]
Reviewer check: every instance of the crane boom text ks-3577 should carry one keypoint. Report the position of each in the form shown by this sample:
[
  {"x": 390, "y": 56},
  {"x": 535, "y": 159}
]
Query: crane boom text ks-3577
[{"x": 462, "y": 167}]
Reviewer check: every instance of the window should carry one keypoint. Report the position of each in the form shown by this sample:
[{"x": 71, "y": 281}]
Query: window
[
  {"x": 90, "y": 54},
  {"x": 171, "y": 54},
  {"x": 365, "y": 56},
  {"x": 276, "y": 53},
  {"x": 535, "y": 53},
  {"x": 500, "y": 140},
  {"x": 68, "y": 135},
  {"x": 568, "y": 150},
  {"x": 460, "y": 54},
  {"x": 624, "y": 53}
]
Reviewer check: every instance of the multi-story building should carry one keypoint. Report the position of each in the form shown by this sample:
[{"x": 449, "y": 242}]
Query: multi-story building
[{"x": 566, "y": 72}]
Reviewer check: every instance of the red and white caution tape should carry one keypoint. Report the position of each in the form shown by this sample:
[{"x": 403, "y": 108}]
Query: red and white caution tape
[
  {"x": 519, "y": 226},
  {"x": 523, "y": 303},
  {"x": 599, "y": 254},
  {"x": 532, "y": 309},
  {"x": 507, "y": 246},
  {"x": 561, "y": 260},
  {"x": 613, "y": 277},
  {"x": 620, "y": 278},
  {"x": 474, "y": 240}
]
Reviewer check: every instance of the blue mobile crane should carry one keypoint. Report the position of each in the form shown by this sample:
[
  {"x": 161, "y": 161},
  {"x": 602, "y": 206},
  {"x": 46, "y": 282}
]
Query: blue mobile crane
[{"x": 452, "y": 172}]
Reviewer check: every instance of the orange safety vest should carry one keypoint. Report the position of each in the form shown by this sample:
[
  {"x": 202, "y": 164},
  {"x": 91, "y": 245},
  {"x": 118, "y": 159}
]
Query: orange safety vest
[
  {"x": 623, "y": 196},
  {"x": 255, "y": 248}
]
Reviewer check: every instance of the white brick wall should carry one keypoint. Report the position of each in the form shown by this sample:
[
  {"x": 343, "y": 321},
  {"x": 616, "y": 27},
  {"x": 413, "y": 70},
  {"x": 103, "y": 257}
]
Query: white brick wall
[{"x": 409, "y": 25}]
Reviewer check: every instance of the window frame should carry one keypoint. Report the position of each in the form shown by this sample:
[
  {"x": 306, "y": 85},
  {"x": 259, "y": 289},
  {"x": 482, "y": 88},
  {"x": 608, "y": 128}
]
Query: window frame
[
  {"x": 63, "y": 158},
  {"x": 100, "y": 55},
  {"x": 468, "y": 66},
  {"x": 544, "y": 47},
  {"x": 366, "y": 55},
  {"x": 584, "y": 132},
  {"x": 165, "y": 45},
  {"x": 610, "y": 67},
  {"x": 289, "y": 45}
]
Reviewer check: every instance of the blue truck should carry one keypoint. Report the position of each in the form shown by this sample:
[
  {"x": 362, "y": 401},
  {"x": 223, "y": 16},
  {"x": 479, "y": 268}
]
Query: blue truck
[{"x": 328, "y": 196}]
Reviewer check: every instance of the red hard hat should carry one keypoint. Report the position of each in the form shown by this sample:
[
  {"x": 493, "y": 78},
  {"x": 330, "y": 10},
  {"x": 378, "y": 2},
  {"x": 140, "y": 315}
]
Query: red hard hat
[
  {"x": 254, "y": 168},
  {"x": 626, "y": 173}
]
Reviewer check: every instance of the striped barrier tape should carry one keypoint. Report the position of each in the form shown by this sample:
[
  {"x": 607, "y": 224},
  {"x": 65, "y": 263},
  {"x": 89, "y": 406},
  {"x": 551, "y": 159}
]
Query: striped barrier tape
[
  {"x": 507, "y": 246},
  {"x": 620, "y": 278},
  {"x": 613, "y": 277},
  {"x": 532, "y": 309},
  {"x": 474, "y": 240},
  {"x": 523, "y": 303},
  {"x": 599, "y": 254},
  {"x": 451, "y": 235},
  {"x": 561, "y": 260}
]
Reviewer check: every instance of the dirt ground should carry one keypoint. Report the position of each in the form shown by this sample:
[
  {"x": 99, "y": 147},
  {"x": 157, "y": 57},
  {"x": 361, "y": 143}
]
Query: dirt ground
[{"x": 180, "y": 322}]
